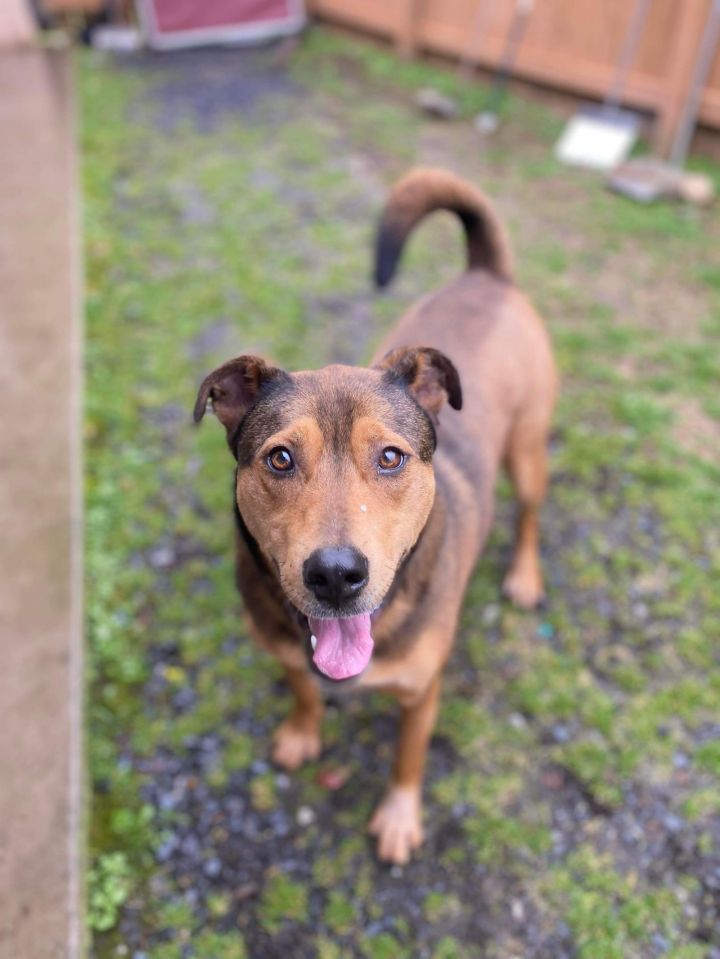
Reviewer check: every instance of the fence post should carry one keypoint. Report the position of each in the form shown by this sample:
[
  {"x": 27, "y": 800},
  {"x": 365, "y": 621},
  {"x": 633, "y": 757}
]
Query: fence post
[
  {"x": 405, "y": 38},
  {"x": 692, "y": 15}
]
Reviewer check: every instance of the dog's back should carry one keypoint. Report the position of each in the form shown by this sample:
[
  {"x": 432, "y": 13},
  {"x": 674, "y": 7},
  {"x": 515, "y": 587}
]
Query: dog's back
[{"x": 480, "y": 320}]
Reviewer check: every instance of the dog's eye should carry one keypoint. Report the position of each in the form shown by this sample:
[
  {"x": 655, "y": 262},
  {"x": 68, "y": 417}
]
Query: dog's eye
[
  {"x": 391, "y": 459},
  {"x": 279, "y": 460}
]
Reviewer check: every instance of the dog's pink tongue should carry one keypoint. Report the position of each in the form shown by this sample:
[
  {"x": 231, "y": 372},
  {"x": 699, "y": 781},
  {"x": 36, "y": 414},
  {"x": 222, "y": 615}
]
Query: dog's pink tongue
[{"x": 344, "y": 646}]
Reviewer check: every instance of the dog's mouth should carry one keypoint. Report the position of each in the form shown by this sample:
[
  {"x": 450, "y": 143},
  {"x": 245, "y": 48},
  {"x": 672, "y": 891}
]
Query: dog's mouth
[{"x": 341, "y": 647}]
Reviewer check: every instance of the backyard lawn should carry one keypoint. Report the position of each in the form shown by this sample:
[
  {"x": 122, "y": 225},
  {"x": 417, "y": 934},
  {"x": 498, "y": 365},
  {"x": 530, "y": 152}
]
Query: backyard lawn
[{"x": 573, "y": 788}]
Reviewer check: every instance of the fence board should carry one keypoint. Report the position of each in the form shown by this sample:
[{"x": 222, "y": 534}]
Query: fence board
[{"x": 571, "y": 45}]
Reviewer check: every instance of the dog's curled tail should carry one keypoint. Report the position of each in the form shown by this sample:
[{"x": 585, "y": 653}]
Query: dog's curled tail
[{"x": 424, "y": 190}]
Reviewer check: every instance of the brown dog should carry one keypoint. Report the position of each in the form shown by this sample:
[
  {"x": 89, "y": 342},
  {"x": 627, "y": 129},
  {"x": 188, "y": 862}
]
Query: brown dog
[{"x": 356, "y": 535}]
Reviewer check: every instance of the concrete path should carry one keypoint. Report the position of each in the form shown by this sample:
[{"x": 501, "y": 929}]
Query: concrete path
[{"x": 40, "y": 512}]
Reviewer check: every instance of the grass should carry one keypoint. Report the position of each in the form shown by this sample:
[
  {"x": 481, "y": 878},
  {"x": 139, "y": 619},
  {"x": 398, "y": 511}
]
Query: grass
[
  {"x": 283, "y": 901},
  {"x": 571, "y": 743}
]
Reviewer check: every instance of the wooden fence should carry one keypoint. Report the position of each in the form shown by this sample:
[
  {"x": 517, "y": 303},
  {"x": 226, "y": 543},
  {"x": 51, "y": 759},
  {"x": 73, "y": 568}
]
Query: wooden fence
[{"x": 571, "y": 45}]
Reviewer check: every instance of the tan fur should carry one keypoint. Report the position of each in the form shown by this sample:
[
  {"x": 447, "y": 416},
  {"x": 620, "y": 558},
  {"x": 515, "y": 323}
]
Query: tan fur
[
  {"x": 327, "y": 507},
  {"x": 424, "y": 190},
  {"x": 434, "y": 518}
]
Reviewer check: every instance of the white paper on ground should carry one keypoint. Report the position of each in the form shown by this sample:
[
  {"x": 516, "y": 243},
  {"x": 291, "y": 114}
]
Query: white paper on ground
[{"x": 590, "y": 142}]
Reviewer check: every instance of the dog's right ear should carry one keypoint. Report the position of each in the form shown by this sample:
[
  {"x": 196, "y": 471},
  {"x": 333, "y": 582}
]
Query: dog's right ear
[{"x": 233, "y": 388}]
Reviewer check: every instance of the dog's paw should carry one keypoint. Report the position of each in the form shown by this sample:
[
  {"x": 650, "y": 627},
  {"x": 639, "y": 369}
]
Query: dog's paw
[
  {"x": 524, "y": 587},
  {"x": 293, "y": 745},
  {"x": 397, "y": 823}
]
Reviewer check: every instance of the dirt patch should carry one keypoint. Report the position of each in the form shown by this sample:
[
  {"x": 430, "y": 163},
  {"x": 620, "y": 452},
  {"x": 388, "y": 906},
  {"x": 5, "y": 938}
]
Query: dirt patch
[
  {"x": 642, "y": 291},
  {"x": 204, "y": 87},
  {"x": 695, "y": 431}
]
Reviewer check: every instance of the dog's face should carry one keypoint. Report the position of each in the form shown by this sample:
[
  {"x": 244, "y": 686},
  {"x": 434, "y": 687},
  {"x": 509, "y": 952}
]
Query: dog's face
[{"x": 334, "y": 481}]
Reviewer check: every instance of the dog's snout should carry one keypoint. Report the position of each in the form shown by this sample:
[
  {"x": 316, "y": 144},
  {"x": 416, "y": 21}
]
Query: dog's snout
[{"x": 335, "y": 574}]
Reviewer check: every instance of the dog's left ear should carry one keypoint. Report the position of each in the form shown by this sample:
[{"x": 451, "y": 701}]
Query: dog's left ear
[
  {"x": 233, "y": 387},
  {"x": 427, "y": 374}
]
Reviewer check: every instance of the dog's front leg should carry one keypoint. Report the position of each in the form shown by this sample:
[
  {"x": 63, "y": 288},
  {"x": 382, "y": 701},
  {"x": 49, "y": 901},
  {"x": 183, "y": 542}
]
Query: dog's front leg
[
  {"x": 398, "y": 820},
  {"x": 297, "y": 739}
]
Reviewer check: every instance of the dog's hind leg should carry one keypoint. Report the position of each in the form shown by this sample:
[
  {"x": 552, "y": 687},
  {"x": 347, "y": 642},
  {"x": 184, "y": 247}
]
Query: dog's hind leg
[
  {"x": 297, "y": 739},
  {"x": 526, "y": 460},
  {"x": 397, "y": 822}
]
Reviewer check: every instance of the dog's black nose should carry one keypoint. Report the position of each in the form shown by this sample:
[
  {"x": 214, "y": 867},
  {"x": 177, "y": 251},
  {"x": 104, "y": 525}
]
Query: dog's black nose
[{"x": 336, "y": 573}]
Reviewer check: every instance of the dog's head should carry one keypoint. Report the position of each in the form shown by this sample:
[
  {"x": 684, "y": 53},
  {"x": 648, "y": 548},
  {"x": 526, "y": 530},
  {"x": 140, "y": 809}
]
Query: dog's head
[{"x": 334, "y": 480}]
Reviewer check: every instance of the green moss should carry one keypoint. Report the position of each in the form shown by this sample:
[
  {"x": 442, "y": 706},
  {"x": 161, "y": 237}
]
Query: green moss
[
  {"x": 327, "y": 949},
  {"x": 608, "y": 916},
  {"x": 216, "y": 945},
  {"x": 594, "y": 765},
  {"x": 688, "y": 951},
  {"x": 282, "y": 901},
  {"x": 440, "y": 905},
  {"x": 458, "y": 787},
  {"x": 555, "y": 686},
  {"x": 238, "y": 752},
  {"x": 496, "y": 839},
  {"x": 701, "y": 803},
  {"x": 176, "y": 915},
  {"x": 167, "y": 950},
  {"x": 109, "y": 883},
  {"x": 449, "y": 948},
  {"x": 383, "y": 946},
  {"x": 330, "y": 867},
  {"x": 218, "y": 904},
  {"x": 262, "y": 792},
  {"x": 339, "y": 913},
  {"x": 707, "y": 757},
  {"x": 464, "y": 723}
]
